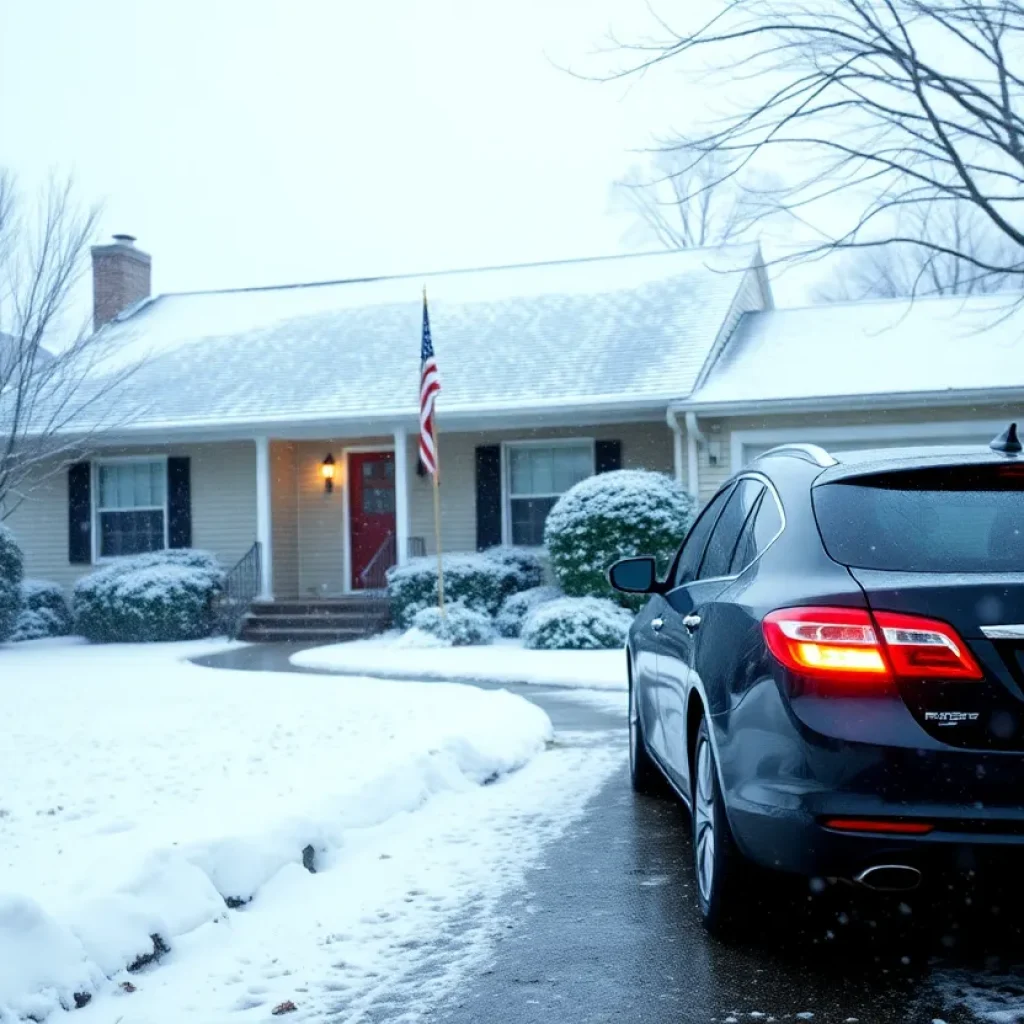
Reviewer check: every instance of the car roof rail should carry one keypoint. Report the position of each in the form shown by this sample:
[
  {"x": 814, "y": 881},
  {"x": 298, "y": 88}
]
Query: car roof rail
[{"x": 811, "y": 452}]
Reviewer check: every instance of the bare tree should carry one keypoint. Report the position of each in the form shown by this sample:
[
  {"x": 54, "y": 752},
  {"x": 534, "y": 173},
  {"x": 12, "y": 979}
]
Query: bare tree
[
  {"x": 887, "y": 105},
  {"x": 53, "y": 401},
  {"x": 899, "y": 270},
  {"x": 687, "y": 205}
]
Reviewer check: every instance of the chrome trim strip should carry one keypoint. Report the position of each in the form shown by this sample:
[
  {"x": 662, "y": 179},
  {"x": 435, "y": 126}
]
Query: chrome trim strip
[
  {"x": 761, "y": 479},
  {"x": 1007, "y": 632}
]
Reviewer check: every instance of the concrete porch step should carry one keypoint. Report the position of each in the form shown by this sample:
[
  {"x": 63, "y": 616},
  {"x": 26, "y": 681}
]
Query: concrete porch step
[
  {"x": 327, "y": 606},
  {"x": 315, "y": 620},
  {"x": 299, "y": 635}
]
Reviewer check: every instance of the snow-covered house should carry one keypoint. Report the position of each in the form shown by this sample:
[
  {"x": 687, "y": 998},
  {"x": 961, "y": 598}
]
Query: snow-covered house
[
  {"x": 242, "y": 401},
  {"x": 287, "y": 417}
]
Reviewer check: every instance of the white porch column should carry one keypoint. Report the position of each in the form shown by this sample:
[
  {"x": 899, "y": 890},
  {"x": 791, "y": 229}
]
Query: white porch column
[
  {"x": 263, "y": 526},
  {"x": 402, "y": 494}
]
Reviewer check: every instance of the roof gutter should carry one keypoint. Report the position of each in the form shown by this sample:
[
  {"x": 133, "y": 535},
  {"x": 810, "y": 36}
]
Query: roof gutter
[
  {"x": 693, "y": 435},
  {"x": 852, "y": 403}
]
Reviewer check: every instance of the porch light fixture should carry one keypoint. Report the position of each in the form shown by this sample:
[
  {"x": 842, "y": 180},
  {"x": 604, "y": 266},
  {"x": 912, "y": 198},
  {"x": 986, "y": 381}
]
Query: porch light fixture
[{"x": 327, "y": 472}]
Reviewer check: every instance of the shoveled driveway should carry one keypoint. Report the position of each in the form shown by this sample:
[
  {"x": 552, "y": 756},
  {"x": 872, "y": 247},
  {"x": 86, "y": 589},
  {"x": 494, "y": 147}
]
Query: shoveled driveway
[{"x": 606, "y": 930}]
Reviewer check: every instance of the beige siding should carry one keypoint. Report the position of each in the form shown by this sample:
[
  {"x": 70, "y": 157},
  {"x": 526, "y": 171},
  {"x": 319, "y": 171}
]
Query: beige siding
[
  {"x": 644, "y": 446},
  {"x": 284, "y": 514},
  {"x": 719, "y": 432},
  {"x": 223, "y": 509},
  {"x": 309, "y": 524}
]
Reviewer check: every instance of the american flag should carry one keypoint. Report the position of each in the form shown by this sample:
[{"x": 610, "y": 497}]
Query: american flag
[{"x": 430, "y": 384}]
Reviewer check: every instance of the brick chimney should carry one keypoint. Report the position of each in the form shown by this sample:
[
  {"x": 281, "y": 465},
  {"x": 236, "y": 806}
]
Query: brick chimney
[{"x": 120, "y": 278}]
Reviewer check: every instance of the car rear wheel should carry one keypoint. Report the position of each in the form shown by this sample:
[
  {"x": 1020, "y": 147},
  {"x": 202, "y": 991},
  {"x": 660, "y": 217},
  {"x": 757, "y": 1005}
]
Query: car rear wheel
[
  {"x": 643, "y": 772},
  {"x": 720, "y": 870}
]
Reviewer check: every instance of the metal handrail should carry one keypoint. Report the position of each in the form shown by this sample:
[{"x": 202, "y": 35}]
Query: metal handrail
[
  {"x": 241, "y": 586},
  {"x": 375, "y": 575}
]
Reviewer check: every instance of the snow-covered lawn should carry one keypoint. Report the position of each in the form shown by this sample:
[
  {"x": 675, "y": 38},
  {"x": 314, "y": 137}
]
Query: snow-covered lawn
[
  {"x": 144, "y": 795},
  {"x": 505, "y": 661}
]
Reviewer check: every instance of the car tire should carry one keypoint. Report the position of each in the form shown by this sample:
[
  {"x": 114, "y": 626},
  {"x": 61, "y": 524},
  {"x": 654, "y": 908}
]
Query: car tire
[
  {"x": 721, "y": 874},
  {"x": 643, "y": 772}
]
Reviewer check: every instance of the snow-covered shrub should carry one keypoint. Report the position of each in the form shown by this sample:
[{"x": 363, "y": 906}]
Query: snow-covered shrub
[
  {"x": 44, "y": 611},
  {"x": 461, "y": 626},
  {"x": 166, "y": 595},
  {"x": 576, "y": 624},
  {"x": 518, "y": 606},
  {"x": 11, "y": 574},
  {"x": 527, "y": 565},
  {"x": 475, "y": 580},
  {"x": 611, "y": 516}
]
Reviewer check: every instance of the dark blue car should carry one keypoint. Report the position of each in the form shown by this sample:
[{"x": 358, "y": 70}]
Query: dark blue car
[{"x": 831, "y": 677}]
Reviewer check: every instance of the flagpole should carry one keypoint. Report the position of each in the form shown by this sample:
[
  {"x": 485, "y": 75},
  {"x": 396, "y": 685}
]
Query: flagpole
[
  {"x": 436, "y": 477},
  {"x": 437, "y": 527}
]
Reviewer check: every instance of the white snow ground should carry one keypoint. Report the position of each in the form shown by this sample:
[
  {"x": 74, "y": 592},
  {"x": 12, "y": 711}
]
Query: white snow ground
[
  {"x": 148, "y": 790},
  {"x": 504, "y": 661}
]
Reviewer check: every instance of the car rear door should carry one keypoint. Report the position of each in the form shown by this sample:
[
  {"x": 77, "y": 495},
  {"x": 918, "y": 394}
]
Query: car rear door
[
  {"x": 944, "y": 543},
  {"x": 683, "y": 619}
]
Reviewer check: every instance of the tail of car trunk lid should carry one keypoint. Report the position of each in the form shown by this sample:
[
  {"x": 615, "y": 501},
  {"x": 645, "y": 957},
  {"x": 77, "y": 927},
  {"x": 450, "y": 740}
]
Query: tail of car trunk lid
[{"x": 943, "y": 543}]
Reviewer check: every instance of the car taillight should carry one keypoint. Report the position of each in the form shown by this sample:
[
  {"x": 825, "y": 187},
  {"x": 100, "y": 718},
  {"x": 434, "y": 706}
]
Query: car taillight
[
  {"x": 847, "y": 643},
  {"x": 924, "y": 648}
]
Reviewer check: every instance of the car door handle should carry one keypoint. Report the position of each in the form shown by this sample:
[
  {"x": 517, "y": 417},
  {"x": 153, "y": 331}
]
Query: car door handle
[
  {"x": 691, "y": 622},
  {"x": 656, "y": 624}
]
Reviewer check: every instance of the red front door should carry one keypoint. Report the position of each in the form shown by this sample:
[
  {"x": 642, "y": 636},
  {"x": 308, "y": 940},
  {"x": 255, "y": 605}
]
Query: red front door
[{"x": 371, "y": 496}]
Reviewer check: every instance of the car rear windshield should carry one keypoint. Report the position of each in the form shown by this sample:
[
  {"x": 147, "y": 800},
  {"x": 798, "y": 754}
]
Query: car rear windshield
[{"x": 947, "y": 519}]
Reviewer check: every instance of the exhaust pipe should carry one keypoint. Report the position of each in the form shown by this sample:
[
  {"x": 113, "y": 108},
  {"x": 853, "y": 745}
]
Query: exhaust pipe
[{"x": 890, "y": 878}]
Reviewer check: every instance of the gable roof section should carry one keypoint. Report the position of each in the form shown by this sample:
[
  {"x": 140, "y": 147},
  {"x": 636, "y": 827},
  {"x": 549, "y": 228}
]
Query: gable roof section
[
  {"x": 899, "y": 350},
  {"x": 615, "y": 331}
]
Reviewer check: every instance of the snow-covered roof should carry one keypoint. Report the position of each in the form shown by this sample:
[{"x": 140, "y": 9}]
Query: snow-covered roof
[
  {"x": 608, "y": 331},
  {"x": 897, "y": 347}
]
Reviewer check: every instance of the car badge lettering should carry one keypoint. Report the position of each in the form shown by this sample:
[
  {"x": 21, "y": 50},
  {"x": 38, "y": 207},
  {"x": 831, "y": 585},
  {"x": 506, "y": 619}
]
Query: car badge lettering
[{"x": 946, "y": 718}]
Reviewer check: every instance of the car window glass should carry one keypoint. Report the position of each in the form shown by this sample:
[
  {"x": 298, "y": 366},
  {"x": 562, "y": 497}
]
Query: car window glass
[
  {"x": 746, "y": 547},
  {"x": 693, "y": 545},
  {"x": 726, "y": 533},
  {"x": 941, "y": 519}
]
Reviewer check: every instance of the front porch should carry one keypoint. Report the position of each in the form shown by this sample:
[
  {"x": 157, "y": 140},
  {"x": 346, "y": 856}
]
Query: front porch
[{"x": 334, "y": 513}]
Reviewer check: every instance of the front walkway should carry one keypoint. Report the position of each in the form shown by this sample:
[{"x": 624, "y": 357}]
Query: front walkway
[{"x": 569, "y": 708}]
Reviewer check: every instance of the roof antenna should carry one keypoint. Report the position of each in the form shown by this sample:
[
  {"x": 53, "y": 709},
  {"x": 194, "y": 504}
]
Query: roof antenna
[{"x": 1008, "y": 441}]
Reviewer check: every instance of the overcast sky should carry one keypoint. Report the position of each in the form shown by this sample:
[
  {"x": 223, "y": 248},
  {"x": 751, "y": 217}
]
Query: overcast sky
[{"x": 252, "y": 142}]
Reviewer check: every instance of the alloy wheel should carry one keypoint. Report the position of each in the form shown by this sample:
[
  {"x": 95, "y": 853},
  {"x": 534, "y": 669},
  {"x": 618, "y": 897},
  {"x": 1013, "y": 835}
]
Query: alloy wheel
[{"x": 704, "y": 821}]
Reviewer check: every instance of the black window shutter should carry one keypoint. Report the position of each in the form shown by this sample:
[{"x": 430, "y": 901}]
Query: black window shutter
[
  {"x": 80, "y": 513},
  {"x": 179, "y": 502},
  {"x": 607, "y": 456},
  {"x": 488, "y": 495}
]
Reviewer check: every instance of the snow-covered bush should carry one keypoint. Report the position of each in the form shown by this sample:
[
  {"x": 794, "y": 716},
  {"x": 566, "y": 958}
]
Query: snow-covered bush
[
  {"x": 518, "y": 606},
  {"x": 167, "y": 595},
  {"x": 576, "y": 624},
  {"x": 527, "y": 565},
  {"x": 461, "y": 626},
  {"x": 11, "y": 574},
  {"x": 44, "y": 611},
  {"x": 477, "y": 580},
  {"x": 611, "y": 516}
]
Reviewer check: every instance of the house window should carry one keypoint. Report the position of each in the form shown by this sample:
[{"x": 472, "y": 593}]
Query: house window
[
  {"x": 537, "y": 476},
  {"x": 131, "y": 507}
]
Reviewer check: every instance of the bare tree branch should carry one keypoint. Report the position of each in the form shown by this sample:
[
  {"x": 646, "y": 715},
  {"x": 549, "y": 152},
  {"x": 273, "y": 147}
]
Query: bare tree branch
[
  {"x": 882, "y": 104},
  {"x": 54, "y": 400},
  {"x": 688, "y": 203},
  {"x": 901, "y": 269}
]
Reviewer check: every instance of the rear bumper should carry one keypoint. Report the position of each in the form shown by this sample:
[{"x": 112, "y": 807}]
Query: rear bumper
[
  {"x": 773, "y": 832},
  {"x": 786, "y": 769}
]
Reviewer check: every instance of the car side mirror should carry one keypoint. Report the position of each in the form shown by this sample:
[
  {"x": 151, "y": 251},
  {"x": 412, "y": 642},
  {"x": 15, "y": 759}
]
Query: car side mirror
[{"x": 634, "y": 575}]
